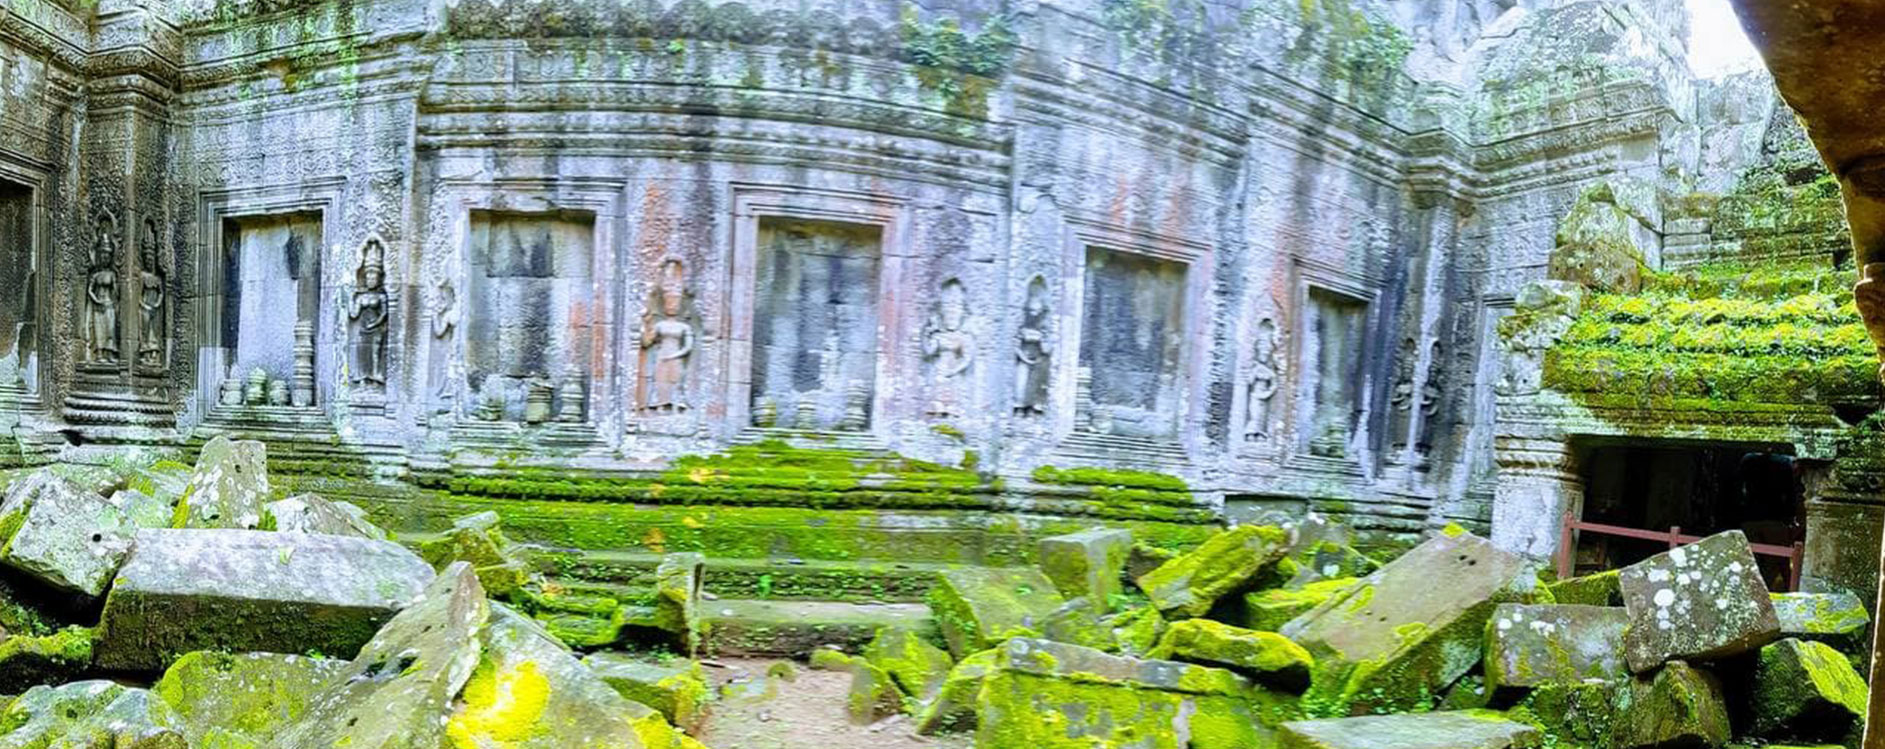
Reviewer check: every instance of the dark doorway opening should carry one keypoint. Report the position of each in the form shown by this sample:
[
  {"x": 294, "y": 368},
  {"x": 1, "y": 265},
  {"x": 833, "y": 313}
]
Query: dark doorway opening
[{"x": 1701, "y": 489}]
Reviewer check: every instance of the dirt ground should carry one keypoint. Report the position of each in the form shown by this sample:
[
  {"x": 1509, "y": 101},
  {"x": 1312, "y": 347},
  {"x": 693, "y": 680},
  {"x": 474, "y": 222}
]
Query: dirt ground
[{"x": 757, "y": 711}]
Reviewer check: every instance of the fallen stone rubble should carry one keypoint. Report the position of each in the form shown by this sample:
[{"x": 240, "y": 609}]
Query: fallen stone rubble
[{"x": 298, "y": 623}]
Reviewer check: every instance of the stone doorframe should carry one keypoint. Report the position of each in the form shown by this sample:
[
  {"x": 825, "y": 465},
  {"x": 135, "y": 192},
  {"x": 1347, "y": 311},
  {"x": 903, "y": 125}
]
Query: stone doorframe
[
  {"x": 32, "y": 177},
  {"x": 1199, "y": 259},
  {"x": 1311, "y": 274},
  {"x": 447, "y": 255},
  {"x": 753, "y": 203},
  {"x": 214, "y": 208}
]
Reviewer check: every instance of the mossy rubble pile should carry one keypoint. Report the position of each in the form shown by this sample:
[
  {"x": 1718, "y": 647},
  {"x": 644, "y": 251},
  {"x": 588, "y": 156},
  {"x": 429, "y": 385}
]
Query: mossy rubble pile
[
  {"x": 233, "y": 607},
  {"x": 1265, "y": 637}
]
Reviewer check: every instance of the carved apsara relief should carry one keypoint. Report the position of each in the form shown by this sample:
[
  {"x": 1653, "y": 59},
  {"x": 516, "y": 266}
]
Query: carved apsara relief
[
  {"x": 669, "y": 334},
  {"x": 101, "y": 295},
  {"x": 1034, "y": 352},
  {"x": 368, "y": 316}
]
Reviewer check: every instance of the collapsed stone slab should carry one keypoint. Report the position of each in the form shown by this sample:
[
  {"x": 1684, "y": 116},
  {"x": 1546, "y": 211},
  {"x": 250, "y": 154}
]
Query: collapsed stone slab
[
  {"x": 1266, "y": 657},
  {"x": 143, "y": 510},
  {"x": 1466, "y": 729},
  {"x": 63, "y": 536},
  {"x": 1042, "y": 693},
  {"x": 953, "y": 708},
  {"x": 311, "y": 513},
  {"x": 1270, "y": 609},
  {"x": 1088, "y": 564},
  {"x": 1702, "y": 601},
  {"x": 678, "y": 689},
  {"x": 1528, "y": 645},
  {"x": 1188, "y": 585},
  {"x": 45, "y": 714},
  {"x": 228, "y": 489},
  {"x": 1400, "y": 636},
  {"x": 244, "y": 591},
  {"x": 27, "y": 660},
  {"x": 1807, "y": 691},
  {"x": 1679, "y": 706},
  {"x": 251, "y": 697},
  {"x": 1837, "y": 619},
  {"x": 977, "y": 607},
  {"x": 918, "y": 667}
]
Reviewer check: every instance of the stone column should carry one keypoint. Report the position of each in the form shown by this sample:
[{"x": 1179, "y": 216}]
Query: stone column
[{"x": 1538, "y": 486}]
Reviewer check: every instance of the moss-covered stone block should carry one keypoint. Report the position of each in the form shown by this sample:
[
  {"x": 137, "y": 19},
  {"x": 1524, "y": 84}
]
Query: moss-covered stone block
[
  {"x": 1271, "y": 609},
  {"x": 977, "y": 607},
  {"x": 1837, "y": 619},
  {"x": 1078, "y": 621},
  {"x": 1702, "y": 601},
  {"x": 1528, "y": 645},
  {"x": 228, "y": 489},
  {"x": 1679, "y": 705},
  {"x": 27, "y": 660},
  {"x": 1597, "y": 589},
  {"x": 45, "y": 714},
  {"x": 953, "y": 708},
  {"x": 1397, "y": 638},
  {"x": 874, "y": 695},
  {"x": 1579, "y": 715},
  {"x": 918, "y": 667},
  {"x": 252, "y": 696},
  {"x": 1188, "y": 585},
  {"x": 677, "y": 597},
  {"x": 1807, "y": 691},
  {"x": 1137, "y": 631},
  {"x": 1088, "y": 564},
  {"x": 245, "y": 591},
  {"x": 1266, "y": 657},
  {"x": 1465, "y": 729},
  {"x": 677, "y": 687},
  {"x": 66, "y": 537}
]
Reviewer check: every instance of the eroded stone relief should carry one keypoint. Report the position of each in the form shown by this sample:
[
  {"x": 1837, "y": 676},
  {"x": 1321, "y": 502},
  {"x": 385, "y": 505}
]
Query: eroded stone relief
[
  {"x": 1034, "y": 353},
  {"x": 815, "y": 332},
  {"x": 368, "y": 317},
  {"x": 669, "y": 335},
  {"x": 101, "y": 296}
]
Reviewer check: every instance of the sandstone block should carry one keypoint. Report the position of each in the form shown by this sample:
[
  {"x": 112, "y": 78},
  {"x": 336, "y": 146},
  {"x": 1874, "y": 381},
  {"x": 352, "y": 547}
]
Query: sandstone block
[
  {"x": 1807, "y": 691},
  {"x": 27, "y": 661},
  {"x": 1702, "y": 601},
  {"x": 953, "y": 708},
  {"x": 977, "y": 607},
  {"x": 143, "y": 510},
  {"x": 310, "y": 513},
  {"x": 229, "y": 488},
  {"x": 1137, "y": 631},
  {"x": 1678, "y": 706},
  {"x": 1271, "y": 609},
  {"x": 242, "y": 591},
  {"x": 45, "y": 714},
  {"x": 1598, "y": 589},
  {"x": 65, "y": 537},
  {"x": 1398, "y": 637},
  {"x": 918, "y": 667},
  {"x": 1528, "y": 645},
  {"x": 253, "y": 696},
  {"x": 1087, "y": 564},
  {"x": 678, "y": 690},
  {"x": 874, "y": 694},
  {"x": 1189, "y": 584},
  {"x": 1837, "y": 619},
  {"x": 1078, "y": 622},
  {"x": 1266, "y": 657},
  {"x": 1466, "y": 729}
]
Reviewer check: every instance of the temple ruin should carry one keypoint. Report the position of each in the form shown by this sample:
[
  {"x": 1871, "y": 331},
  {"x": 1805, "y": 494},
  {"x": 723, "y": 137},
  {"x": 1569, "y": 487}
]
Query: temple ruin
[{"x": 865, "y": 302}]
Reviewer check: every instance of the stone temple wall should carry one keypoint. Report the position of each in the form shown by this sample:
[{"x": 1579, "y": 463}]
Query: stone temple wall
[{"x": 1260, "y": 246}]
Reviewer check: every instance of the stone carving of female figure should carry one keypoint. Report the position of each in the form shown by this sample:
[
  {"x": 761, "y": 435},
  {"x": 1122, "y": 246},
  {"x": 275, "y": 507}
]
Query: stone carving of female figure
[
  {"x": 150, "y": 300},
  {"x": 369, "y": 316},
  {"x": 949, "y": 345},
  {"x": 1033, "y": 353},
  {"x": 667, "y": 340},
  {"x": 101, "y": 295},
  {"x": 1262, "y": 383},
  {"x": 445, "y": 319}
]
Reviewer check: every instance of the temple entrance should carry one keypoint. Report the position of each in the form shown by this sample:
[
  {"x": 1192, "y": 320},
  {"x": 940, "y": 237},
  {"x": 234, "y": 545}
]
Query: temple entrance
[{"x": 1666, "y": 488}]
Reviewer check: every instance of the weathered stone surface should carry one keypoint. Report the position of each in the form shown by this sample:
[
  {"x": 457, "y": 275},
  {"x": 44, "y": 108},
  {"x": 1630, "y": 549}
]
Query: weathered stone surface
[
  {"x": 242, "y": 591},
  {"x": 530, "y": 692},
  {"x": 1078, "y": 622},
  {"x": 1696, "y": 602},
  {"x": 918, "y": 667},
  {"x": 229, "y": 488},
  {"x": 874, "y": 694},
  {"x": 310, "y": 513},
  {"x": 1807, "y": 691},
  {"x": 1837, "y": 619},
  {"x": 1271, "y": 609},
  {"x": 1189, "y": 584},
  {"x": 1266, "y": 657},
  {"x": 1528, "y": 645},
  {"x": 65, "y": 537},
  {"x": 677, "y": 689},
  {"x": 1137, "y": 631},
  {"x": 1044, "y": 693},
  {"x": 27, "y": 660},
  {"x": 398, "y": 692},
  {"x": 1088, "y": 564},
  {"x": 677, "y": 597},
  {"x": 953, "y": 708},
  {"x": 252, "y": 696},
  {"x": 1585, "y": 714},
  {"x": 1470, "y": 729},
  {"x": 1401, "y": 635},
  {"x": 143, "y": 510},
  {"x": 1598, "y": 589},
  {"x": 46, "y": 713},
  {"x": 977, "y": 607},
  {"x": 1679, "y": 706}
]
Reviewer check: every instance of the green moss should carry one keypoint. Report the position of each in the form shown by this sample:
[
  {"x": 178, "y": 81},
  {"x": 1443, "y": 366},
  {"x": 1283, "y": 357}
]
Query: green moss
[
  {"x": 1271, "y": 609},
  {"x": 26, "y": 661},
  {"x": 918, "y": 667},
  {"x": 1599, "y": 589}
]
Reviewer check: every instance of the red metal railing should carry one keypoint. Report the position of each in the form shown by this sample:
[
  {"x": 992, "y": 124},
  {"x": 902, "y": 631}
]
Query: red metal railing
[{"x": 1567, "y": 545}]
